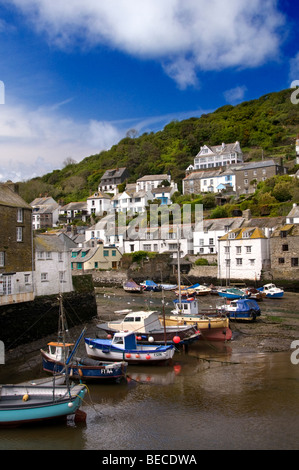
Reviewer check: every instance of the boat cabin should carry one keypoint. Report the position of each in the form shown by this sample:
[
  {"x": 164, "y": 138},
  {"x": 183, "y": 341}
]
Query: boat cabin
[
  {"x": 141, "y": 322},
  {"x": 185, "y": 307},
  {"x": 124, "y": 340},
  {"x": 59, "y": 351}
]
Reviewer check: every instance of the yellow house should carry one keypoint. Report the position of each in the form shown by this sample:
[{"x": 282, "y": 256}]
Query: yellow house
[{"x": 95, "y": 258}]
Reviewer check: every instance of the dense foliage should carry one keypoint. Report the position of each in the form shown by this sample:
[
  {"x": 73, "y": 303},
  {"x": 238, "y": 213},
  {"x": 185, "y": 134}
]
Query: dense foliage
[{"x": 268, "y": 124}]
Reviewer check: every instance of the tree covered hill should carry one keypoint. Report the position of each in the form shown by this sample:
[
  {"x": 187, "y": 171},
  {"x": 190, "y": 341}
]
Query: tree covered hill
[{"x": 267, "y": 125}]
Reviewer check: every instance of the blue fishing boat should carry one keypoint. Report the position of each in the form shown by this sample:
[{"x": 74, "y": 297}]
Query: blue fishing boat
[
  {"x": 232, "y": 293},
  {"x": 241, "y": 309},
  {"x": 23, "y": 404},
  {"x": 123, "y": 346},
  {"x": 60, "y": 357},
  {"x": 150, "y": 286},
  {"x": 271, "y": 291}
]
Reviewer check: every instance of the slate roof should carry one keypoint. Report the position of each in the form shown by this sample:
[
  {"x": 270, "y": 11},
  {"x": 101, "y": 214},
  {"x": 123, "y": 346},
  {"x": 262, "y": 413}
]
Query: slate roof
[{"x": 8, "y": 197}]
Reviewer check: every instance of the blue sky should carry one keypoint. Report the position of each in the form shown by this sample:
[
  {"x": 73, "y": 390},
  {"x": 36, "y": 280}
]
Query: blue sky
[{"x": 79, "y": 74}]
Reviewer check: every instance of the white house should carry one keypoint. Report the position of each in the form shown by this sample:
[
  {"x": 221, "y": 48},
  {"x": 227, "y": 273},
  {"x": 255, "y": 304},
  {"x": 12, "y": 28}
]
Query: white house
[
  {"x": 293, "y": 215},
  {"x": 73, "y": 210},
  {"x": 131, "y": 201},
  {"x": 98, "y": 203},
  {"x": 218, "y": 155},
  {"x": 297, "y": 151},
  {"x": 243, "y": 253},
  {"x": 209, "y": 181},
  {"x": 52, "y": 265},
  {"x": 205, "y": 241},
  {"x": 149, "y": 182}
]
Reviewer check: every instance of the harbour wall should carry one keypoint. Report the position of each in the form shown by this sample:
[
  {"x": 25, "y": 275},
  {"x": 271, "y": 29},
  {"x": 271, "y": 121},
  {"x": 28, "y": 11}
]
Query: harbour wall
[{"x": 30, "y": 321}]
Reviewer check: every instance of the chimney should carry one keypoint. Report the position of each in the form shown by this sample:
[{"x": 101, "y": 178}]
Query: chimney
[{"x": 246, "y": 214}]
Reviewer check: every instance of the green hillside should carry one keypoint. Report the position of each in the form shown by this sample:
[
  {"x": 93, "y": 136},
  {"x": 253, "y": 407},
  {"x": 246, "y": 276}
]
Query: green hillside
[{"x": 267, "y": 125}]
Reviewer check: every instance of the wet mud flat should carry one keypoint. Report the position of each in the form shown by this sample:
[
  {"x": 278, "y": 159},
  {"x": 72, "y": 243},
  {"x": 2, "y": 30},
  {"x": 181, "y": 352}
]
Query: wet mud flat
[{"x": 273, "y": 331}]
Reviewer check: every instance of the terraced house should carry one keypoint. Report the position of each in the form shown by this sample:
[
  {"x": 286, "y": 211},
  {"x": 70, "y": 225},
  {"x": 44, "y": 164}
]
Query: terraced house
[
  {"x": 94, "y": 258},
  {"x": 16, "y": 249}
]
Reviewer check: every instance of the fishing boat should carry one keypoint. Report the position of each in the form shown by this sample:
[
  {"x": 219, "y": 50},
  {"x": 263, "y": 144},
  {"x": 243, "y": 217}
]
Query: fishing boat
[
  {"x": 150, "y": 286},
  {"x": 213, "y": 326},
  {"x": 60, "y": 358},
  {"x": 271, "y": 291},
  {"x": 123, "y": 346},
  {"x": 241, "y": 309},
  {"x": 199, "y": 289},
  {"x": 132, "y": 287},
  {"x": 168, "y": 286},
  {"x": 232, "y": 293},
  {"x": 23, "y": 404},
  {"x": 149, "y": 328},
  {"x": 81, "y": 368}
]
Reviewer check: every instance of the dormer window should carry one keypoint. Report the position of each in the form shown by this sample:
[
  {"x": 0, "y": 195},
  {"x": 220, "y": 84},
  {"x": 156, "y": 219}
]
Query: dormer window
[
  {"x": 232, "y": 235},
  {"x": 246, "y": 234}
]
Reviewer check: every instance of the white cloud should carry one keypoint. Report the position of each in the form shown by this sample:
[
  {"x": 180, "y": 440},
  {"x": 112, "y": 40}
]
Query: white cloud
[
  {"x": 192, "y": 35},
  {"x": 234, "y": 95},
  {"x": 38, "y": 141}
]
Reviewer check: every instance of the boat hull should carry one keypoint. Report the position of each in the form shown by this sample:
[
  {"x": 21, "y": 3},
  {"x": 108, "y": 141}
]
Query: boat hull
[
  {"x": 101, "y": 373},
  {"x": 144, "y": 354},
  {"x": 211, "y": 329},
  {"x": 40, "y": 406}
]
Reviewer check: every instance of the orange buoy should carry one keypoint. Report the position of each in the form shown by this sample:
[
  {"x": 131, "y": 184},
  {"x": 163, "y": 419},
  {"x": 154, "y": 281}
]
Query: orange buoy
[
  {"x": 128, "y": 355},
  {"x": 176, "y": 339}
]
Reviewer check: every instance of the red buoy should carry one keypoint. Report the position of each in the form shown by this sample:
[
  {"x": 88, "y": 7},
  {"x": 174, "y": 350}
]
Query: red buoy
[
  {"x": 147, "y": 356},
  {"x": 128, "y": 355},
  {"x": 176, "y": 339}
]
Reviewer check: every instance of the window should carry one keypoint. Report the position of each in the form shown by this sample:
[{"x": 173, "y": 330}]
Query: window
[
  {"x": 19, "y": 234},
  {"x": 83, "y": 254},
  {"x": 27, "y": 278},
  {"x": 113, "y": 252},
  {"x": 285, "y": 247},
  {"x": 48, "y": 255},
  {"x": 61, "y": 276},
  {"x": 20, "y": 215},
  {"x": 60, "y": 257},
  {"x": 74, "y": 254},
  {"x": 248, "y": 249},
  {"x": 226, "y": 249},
  {"x": 96, "y": 264},
  {"x": 238, "y": 250},
  {"x": 239, "y": 261},
  {"x": 106, "y": 253},
  {"x": 79, "y": 265},
  {"x": 44, "y": 277},
  {"x": 252, "y": 262},
  {"x": 211, "y": 241},
  {"x": 294, "y": 262},
  {"x": 283, "y": 234},
  {"x": 201, "y": 242},
  {"x": 7, "y": 285},
  {"x": 227, "y": 262},
  {"x": 2, "y": 259},
  {"x": 280, "y": 260}
]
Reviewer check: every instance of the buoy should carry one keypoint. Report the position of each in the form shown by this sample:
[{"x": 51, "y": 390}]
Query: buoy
[
  {"x": 176, "y": 339},
  {"x": 109, "y": 336},
  {"x": 138, "y": 338},
  {"x": 151, "y": 339},
  {"x": 26, "y": 397},
  {"x": 128, "y": 355},
  {"x": 177, "y": 369},
  {"x": 70, "y": 404},
  {"x": 138, "y": 356},
  {"x": 147, "y": 356}
]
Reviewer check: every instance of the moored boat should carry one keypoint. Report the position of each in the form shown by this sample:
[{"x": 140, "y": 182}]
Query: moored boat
[
  {"x": 149, "y": 328},
  {"x": 23, "y": 404},
  {"x": 271, "y": 291},
  {"x": 132, "y": 287},
  {"x": 212, "y": 327},
  {"x": 232, "y": 293},
  {"x": 241, "y": 309},
  {"x": 123, "y": 346},
  {"x": 150, "y": 286}
]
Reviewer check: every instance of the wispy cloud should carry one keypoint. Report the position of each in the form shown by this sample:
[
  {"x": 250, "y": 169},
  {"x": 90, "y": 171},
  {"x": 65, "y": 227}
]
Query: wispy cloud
[
  {"x": 235, "y": 95},
  {"x": 191, "y": 36},
  {"x": 38, "y": 141}
]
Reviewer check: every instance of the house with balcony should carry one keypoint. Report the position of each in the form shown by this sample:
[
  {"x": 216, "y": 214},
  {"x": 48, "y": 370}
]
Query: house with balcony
[
  {"x": 150, "y": 182},
  {"x": 16, "y": 251},
  {"x": 71, "y": 211},
  {"x": 215, "y": 181},
  {"x": 215, "y": 156},
  {"x": 131, "y": 201}
]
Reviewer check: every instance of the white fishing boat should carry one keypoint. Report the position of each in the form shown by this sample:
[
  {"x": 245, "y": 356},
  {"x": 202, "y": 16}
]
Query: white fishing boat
[
  {"x": 271, "y": 291},
  {"x": 123, "y": 346}
]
